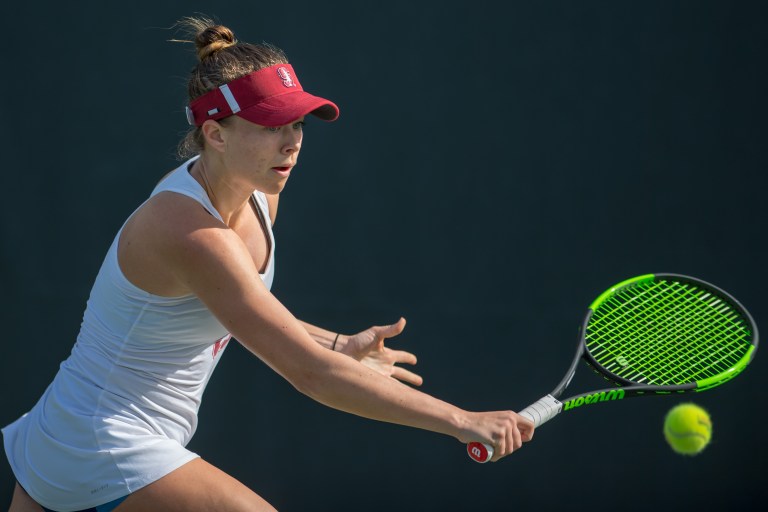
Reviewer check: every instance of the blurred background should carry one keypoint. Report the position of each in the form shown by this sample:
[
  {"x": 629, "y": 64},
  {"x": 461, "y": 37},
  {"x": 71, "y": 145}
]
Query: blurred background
[{"x": 495, "y": 167}]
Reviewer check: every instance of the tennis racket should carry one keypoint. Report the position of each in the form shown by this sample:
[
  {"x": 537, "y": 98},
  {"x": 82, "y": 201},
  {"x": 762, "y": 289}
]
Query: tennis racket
[{"x": 656, "y": 334}]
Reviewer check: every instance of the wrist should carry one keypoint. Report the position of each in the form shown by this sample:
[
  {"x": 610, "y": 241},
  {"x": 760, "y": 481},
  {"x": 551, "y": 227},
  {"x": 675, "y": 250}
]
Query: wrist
[
  {"x": 341, "y": 343},
  {"x": 461, "y": 422}
]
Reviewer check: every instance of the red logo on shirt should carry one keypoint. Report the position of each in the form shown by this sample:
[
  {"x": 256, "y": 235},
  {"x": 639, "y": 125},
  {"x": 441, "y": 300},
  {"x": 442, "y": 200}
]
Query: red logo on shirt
[{"x": 220, "y": 344}]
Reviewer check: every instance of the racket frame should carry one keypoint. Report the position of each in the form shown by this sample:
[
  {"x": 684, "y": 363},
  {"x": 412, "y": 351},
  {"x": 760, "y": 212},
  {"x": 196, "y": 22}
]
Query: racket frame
[
  {"x": 551, "y": 405},
  {"x": 634, "y": 389}
]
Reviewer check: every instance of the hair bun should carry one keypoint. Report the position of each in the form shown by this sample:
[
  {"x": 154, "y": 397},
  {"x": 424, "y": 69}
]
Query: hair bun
[{"x": 213, "y": 39}]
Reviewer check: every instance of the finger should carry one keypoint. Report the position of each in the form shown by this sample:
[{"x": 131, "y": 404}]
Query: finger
[
  {"x": 500, "y": 449},
  {"x": 388, "y": 331},
  {"x": 517, "y": 441},
  {"x": 526, "y": 428},
  {"x": 404, "y": 375},
  {"x": 524, "y": 423},
  {"x": 510, "y": 441},
  {"x": 527, "y": 433},
  {"x": 400, "y": 356}
]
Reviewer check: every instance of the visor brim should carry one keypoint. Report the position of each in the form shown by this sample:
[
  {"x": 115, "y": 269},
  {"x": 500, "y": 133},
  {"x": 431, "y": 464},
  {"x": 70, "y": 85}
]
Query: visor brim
[{"x": 286, "y": 108}]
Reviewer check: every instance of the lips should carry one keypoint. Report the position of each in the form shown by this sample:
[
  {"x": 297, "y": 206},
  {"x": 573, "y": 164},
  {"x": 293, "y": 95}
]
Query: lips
[{"x": 282, "y": 171}]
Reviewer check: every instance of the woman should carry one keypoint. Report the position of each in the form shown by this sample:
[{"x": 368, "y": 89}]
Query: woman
[{"x": 189, "y": 269}]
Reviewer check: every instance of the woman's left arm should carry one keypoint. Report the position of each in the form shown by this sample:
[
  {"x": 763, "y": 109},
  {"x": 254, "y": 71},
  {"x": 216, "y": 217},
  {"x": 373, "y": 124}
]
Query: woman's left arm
[{"x": 368, "y": 348}]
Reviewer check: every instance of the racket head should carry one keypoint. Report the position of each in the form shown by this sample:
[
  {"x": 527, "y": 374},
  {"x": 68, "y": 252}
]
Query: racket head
[{"x": 668, "y": 333}]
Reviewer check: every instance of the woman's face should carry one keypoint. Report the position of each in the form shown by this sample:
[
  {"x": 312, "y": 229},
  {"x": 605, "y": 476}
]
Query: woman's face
[{"x": 264, "y": 156}]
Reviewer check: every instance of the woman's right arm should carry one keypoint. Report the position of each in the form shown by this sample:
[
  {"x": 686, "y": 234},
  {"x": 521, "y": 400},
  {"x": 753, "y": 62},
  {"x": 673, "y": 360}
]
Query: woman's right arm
[{"x": 211, "y": 261}]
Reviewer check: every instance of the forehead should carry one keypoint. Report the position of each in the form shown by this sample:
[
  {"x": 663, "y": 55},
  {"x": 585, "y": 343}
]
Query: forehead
[{"x": 244, "y": 122}]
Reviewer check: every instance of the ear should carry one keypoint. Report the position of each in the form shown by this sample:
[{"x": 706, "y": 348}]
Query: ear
[{"x": 213, "y": 135}]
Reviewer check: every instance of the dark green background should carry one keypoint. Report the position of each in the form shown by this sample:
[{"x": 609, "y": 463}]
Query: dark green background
[{"x": 496, "y": 165}]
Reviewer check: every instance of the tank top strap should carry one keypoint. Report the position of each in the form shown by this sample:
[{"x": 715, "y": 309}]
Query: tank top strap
[{"x": 182, "y": 182}]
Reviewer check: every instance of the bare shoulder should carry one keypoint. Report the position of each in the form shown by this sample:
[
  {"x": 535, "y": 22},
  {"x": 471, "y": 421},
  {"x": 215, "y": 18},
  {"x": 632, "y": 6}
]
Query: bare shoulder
[
  {"x": 171, "y": 211},
  {"x": 165, "y": 236}
]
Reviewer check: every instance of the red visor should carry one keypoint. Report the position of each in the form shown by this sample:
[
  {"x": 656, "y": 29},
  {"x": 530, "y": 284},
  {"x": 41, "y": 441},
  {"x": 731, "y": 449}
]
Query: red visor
[{"x": 271, "y": 96}]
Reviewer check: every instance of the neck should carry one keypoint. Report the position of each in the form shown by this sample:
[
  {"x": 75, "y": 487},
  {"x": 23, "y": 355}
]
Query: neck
[{"x": 227, "y": 195}]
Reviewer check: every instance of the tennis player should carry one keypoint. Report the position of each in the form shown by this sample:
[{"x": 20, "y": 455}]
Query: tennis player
[{"x": 191, "y": 268}]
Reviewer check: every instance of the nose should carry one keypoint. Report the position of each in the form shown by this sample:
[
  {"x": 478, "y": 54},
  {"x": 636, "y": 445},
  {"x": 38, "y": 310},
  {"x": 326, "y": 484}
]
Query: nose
[{"x": 293, "y": 142}]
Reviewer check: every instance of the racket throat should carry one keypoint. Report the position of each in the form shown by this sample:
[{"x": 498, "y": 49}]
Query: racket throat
[{"x": 593, "y": 398}]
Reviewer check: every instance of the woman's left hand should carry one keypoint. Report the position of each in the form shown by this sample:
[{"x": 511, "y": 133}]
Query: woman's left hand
[{"x": 368, "y": 348}]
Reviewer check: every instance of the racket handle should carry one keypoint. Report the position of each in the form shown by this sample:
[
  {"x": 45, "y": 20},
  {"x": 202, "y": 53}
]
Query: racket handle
[
  {"x": 542, "y": 410},
  {"x": 538, "y": 412}
]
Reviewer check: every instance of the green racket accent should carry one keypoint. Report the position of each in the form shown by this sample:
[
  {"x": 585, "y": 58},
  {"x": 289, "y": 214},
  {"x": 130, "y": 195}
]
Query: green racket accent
[
  {"x": 656, "y": 331},
  {"x": 609, "y": 293},
  {"x": 711, "y": 382}
]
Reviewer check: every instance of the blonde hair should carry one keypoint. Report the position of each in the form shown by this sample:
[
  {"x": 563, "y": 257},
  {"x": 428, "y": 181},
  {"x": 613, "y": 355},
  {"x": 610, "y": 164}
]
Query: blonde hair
[{"x": 221, "y": 59}]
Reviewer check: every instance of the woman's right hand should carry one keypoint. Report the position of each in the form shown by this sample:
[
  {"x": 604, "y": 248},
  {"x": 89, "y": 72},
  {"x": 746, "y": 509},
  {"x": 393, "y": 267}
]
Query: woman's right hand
[{"x": 505, "y": 431}]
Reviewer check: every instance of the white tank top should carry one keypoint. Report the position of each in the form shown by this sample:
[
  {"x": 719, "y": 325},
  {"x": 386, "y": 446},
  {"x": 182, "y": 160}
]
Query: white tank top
[{"x": 124, "y": 404}]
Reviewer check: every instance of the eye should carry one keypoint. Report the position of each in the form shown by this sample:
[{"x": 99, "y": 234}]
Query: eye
[
  {"x": 272, "y": 129},
  {"x": 299, "y": 125}
]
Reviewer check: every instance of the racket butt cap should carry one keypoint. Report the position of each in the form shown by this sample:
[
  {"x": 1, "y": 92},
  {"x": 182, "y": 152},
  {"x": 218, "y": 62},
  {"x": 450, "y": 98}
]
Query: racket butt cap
[{"x": 480, "y": 452}]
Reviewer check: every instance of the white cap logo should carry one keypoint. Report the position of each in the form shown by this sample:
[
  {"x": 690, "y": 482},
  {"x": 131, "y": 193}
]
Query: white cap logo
[{"x": 285, "y": 75}]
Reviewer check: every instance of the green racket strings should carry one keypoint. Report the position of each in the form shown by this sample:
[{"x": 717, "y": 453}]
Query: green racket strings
[{"x": 667, "y": 333}]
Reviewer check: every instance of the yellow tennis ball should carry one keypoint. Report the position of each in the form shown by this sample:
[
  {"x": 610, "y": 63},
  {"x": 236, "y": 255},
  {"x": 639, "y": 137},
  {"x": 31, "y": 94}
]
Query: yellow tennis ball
[{"x": 687, "y": 428}]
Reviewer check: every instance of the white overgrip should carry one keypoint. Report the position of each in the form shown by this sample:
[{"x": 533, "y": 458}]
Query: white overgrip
[
  {"x": 538, "y": 412},
  {"x": 542, "y": 410}
]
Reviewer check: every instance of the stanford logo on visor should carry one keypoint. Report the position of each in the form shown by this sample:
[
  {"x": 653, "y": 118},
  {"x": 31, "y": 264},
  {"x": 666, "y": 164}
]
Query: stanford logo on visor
[{"x": 286, "y": 76}]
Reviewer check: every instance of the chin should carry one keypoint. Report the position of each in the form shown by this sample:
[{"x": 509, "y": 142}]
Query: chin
[{"x": 273, "y": 188}]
